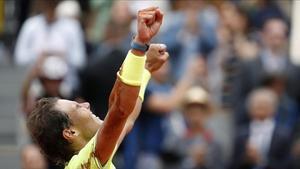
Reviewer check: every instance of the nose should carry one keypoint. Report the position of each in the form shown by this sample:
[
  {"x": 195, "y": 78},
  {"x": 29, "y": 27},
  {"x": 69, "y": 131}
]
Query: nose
[{"x": 86, "y": 105}]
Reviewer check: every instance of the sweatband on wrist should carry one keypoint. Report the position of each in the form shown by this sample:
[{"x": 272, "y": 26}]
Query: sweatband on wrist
[
  {"x": 145, "y": 80},
  {"x": 131, "y": 72}
]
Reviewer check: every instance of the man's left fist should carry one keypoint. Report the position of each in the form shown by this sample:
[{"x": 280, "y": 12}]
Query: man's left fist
[
  {"x": 157, "y": 55},
  {"x": 149, "y": 21}
]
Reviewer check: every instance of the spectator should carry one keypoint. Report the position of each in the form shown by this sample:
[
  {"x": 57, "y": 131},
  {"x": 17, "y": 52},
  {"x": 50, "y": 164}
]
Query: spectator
[
  {"x": 264, "y": 10},
  {"x": 272, "y": 59},
  {"x": 194, "y": 21},
  {"x": 198, "y": 146},
  {"x": 287, "y": 113},
  {"x": 45, "y": 79},
  {"x": 45, "y": 33},
  {"x": 236, "y": 20},
  {"x": 263, "y": 143},
  {"x": 68, "y": 8}
]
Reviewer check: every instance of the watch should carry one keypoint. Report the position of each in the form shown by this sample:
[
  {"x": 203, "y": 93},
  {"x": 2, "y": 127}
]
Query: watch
[{"x": 139, "y": 46}]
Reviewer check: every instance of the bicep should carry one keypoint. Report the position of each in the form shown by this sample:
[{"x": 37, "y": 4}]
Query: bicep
[{"x": 108, "y": 136}]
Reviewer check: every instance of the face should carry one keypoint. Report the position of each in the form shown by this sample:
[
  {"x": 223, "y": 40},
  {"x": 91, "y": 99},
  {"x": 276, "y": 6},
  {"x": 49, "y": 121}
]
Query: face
[
  {"x": 83, "y": 120},
  {"x": 261, "y": 109},
  {"x": 275, "y": 34},
  {"x": 195, "y": 116}
]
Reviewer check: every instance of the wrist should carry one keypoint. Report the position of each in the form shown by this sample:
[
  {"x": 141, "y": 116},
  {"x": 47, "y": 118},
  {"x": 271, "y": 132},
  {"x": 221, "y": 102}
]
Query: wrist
[
  {"x": 139, "y": 40},
  {"x": 131, "y": 72},
  {"x": 138, "y": 47},
  {"x": 138, "y": 52}
]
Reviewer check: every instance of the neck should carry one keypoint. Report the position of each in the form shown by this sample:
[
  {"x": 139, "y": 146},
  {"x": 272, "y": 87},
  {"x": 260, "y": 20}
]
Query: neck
[
  {"x": 50, "y": 16},
  {"x": 79, "y": 143},
  {"x": 276, "y": 51},
  {"x": 197, "y": 129},
  {"x": 262, "y": 119}
]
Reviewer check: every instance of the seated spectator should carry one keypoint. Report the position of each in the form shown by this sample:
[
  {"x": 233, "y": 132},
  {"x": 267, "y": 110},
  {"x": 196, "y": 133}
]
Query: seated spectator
[
  {"x": 199, "y": 148},
  {"x": 263, "y": 143}
]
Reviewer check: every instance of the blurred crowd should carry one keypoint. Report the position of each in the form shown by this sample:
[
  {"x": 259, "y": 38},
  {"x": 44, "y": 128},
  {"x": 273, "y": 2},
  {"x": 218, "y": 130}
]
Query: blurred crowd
[{"x": 228, "y": 98}]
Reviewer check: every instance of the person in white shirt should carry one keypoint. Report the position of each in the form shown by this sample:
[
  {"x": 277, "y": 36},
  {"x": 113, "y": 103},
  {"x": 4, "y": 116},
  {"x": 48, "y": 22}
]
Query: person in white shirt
[
  {"x": 47, "y": 33},
  {"x": 263, "y": 143},
  {"x": 262, "y": 107}
]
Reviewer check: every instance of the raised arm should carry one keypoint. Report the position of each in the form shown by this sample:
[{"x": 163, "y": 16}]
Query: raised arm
[
  {"x": 157, "y": 55},
  {"x": 161, "y": 102},
  {"x": 127, "y": 86}
]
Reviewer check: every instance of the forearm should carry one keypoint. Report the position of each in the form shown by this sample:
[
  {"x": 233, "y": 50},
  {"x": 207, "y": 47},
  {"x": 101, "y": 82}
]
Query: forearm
[
  {"x": 136, "y": 111},
  {"x": 133, "y": 116},
  {"x": 179, "y": 90},
  {"x": 167, "y": 102},
  {"x": 130, "y": 120},
  {"x": 115, "y": 121},
  {"x": 122, "y": 102},
  {"x": 125, "y": 92}
]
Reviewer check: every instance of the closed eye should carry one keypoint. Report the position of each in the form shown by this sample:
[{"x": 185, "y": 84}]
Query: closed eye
[{"x": 78, "y": 106}]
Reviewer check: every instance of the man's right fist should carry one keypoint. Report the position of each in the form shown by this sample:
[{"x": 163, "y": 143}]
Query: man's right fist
[
  {"x": 157, "y": 55},
  {"x": 149, "y": 21}
]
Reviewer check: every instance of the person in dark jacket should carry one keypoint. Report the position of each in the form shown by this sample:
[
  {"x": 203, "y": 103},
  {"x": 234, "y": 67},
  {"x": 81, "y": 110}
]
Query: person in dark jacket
[{"x": 264, "y": 143}]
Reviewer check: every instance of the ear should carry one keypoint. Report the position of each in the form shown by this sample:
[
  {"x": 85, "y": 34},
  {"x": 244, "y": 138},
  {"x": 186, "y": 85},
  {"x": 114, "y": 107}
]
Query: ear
[{"x": 70, "y": 133}]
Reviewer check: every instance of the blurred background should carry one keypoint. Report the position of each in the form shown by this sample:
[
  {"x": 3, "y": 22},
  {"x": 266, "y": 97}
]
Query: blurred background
[{"x": 228, "y": 98}]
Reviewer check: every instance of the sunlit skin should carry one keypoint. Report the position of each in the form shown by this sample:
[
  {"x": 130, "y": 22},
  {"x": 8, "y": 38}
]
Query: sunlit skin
[
  {"x": 124, "y": 100},
  {"x": 263, "y": 104},
  {"x": 275, "y": 35},
  {"x": 81, "y": 116},
  {"x": 84, "y": 123},
  {"x": 262, "y": 109}
]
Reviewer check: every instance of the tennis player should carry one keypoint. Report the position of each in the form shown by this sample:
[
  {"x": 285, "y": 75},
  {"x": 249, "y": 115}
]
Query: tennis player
[{"x": 70, "y": 134}]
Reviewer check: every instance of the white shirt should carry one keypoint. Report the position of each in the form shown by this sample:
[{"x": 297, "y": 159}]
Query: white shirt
[
  {"x": 261, "y": 133},
  {"x": 63, "y": 36},
  {"x": 273, "y": 63}
]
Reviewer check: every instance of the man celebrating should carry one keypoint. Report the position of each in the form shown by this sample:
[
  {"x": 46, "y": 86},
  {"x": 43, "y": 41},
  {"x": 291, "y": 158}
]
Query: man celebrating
[{"x": 69, "y": 133}]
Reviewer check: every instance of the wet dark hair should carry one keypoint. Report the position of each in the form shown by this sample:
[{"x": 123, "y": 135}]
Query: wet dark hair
[{"x": 46, "y": 125}]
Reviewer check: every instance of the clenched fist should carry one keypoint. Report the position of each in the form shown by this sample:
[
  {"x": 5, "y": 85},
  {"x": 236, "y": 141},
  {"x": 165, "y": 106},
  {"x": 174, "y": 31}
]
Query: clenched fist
[
  {"x": 157, "y": 55},
  {"x": 149, "y": 21}
]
